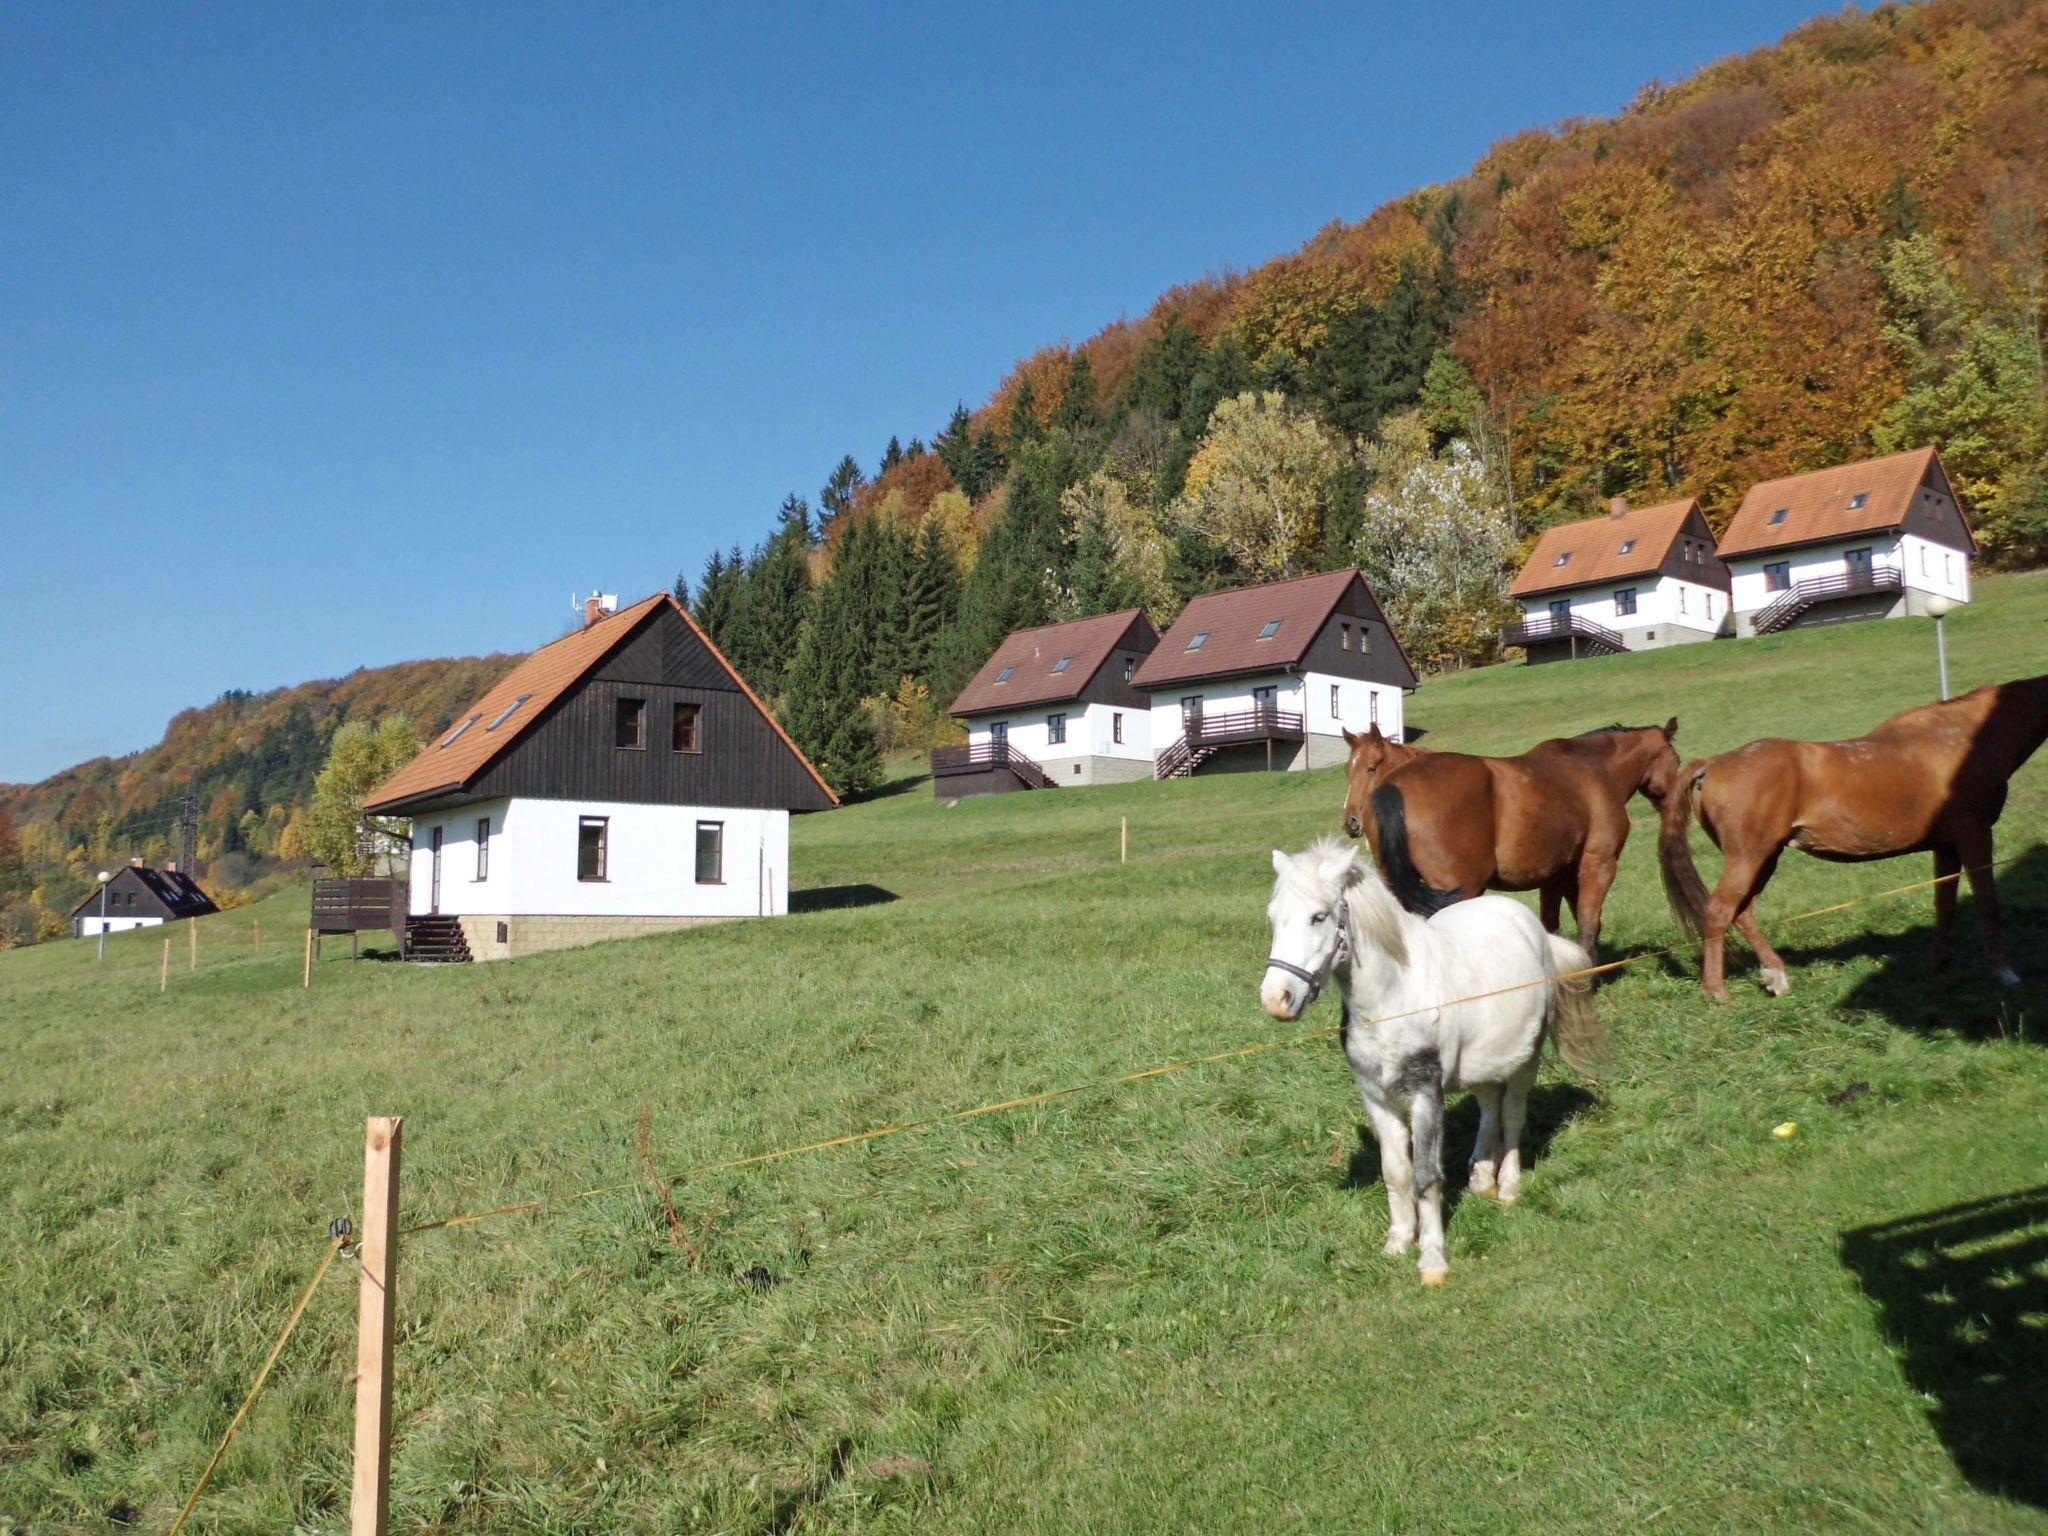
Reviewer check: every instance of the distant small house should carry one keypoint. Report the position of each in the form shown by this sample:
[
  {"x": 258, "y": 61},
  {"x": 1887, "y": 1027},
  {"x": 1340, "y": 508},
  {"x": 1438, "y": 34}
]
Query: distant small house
[
  {"x": 1633, "y": 580},
  {"x": 141, "y": 897},
  {"x": 1055, "y": 707},
  {"x": 1871, "y": 540},
  {"x": 623, "y": 780},
  {"x": 1272, "y": 676}
]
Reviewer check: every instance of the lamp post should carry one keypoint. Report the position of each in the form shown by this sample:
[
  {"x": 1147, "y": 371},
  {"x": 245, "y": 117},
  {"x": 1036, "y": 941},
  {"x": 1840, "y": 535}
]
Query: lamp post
[
  {"x": 104, "y": 878},
  {"x": 1938, "y": 608}
]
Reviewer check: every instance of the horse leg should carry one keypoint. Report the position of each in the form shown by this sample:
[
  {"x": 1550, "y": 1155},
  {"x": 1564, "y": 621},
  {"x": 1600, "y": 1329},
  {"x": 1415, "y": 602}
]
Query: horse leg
[
  {"x": 1738, "y": 889},
  {"x": 1486, "y": 1150},
  {"x": 1948, "y": 873},
  {"x": 1770, "y": 964},
  {"x": 1975, "y": 850},
  {"x": 1513, "y": 1116},
  {"x": 1426, "y": 1119},
  {"x": 1397, "y": 1173},
  {"x": 1551, "y": 899},
  {"x": 1596, "y": 878}
]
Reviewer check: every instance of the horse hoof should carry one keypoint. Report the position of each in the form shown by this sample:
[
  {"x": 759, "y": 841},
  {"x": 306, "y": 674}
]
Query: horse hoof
[
  {"x": 1775, "y": 981},
  {"x": 1435, "y": 1276},
  {"x": 1396, "y": 1246},
  {"x": 1509, "y": 1196}
]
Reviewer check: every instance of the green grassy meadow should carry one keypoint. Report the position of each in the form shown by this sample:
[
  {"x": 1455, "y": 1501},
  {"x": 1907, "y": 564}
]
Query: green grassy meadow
[{"x": 1161, "y": 1307}]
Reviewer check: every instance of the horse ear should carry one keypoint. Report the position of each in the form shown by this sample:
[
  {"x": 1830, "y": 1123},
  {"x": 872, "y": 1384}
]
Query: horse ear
[
  {"x": 1349, "y": 739},
  {"x": 1341, "y": 864},
  {"x": 1372, "y": 732},
  {"x": 1671, "y": 729},
  {"x": 1279, "y": 862}
]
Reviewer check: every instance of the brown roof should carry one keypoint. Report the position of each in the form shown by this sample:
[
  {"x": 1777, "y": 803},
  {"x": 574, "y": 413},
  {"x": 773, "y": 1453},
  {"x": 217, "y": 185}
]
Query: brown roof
[
  {"x": 1816, "y": 506},
  {"x": 1233, "y": 620},
  {"x": 1030, "y": 655},
  {"x": 471, "y": 744},
  {"x": 1611, "y": 547}
]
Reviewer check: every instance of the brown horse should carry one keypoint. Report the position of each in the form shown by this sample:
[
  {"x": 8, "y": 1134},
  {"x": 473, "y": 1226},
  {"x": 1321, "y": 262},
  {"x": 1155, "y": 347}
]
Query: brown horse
[
  {"x": 1445, "y": 826},
  {"x": 1931, "y": 779}
]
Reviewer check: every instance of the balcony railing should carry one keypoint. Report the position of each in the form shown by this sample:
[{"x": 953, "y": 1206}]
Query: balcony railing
[
  {"x": 1549, "y": 629},
  {"x": 1204, "y": 734},
  {"x": 980, "y": 756},
  {"x": 1860, "y": 581}
]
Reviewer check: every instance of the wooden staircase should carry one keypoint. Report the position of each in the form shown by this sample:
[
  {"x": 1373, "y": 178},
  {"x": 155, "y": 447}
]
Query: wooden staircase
[
  {"x": 1207, "y": 734},
  {"x": 1804, "y": 596},
  {"x": 950, "y": 761},
  {"x": 436, "y": 941},
  {"x": 1180, "y": 760}
]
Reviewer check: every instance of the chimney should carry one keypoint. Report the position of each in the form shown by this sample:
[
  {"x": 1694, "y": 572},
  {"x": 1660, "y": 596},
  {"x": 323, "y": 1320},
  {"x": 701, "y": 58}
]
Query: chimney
[
  {"x": 171, "y": 867},
  {"x": 592, "y": 612},
  {"x": 1617, "y": 506},
  {"x": 137, "y": 864}
]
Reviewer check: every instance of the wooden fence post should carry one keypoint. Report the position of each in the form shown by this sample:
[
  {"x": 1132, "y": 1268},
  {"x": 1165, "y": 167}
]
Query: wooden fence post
[
  {"x": 308, "y": 981},
  {"x": 1123, "y": 840},
  {"x": 163, "y": 981},
  {"x": 255, "y": 933},
  {"x": 192, "y": 934},
  {"x": 369, "y": 1507}
]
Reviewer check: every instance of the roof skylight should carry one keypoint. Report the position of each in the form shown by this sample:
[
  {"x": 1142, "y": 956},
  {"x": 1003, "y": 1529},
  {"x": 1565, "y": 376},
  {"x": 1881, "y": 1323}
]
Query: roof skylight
[
  {"x": 450, "y": 739},
  {"x": 510, "y": 710}
]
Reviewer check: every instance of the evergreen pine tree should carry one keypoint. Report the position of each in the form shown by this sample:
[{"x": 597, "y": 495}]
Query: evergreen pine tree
[
  {"x": 824, "y": 711},
  {"x": 1098, "y": 583},
  {"x": 841, "y": 487},
  {"x": 682, "y": 588},
  {"x": 1079, "y": 413},
  {"x": 934, "y": 598},
  {"x": 891, "y": 457},
  {"x": 955, "y": 447},
  {"x": 1025, "y": 427}
]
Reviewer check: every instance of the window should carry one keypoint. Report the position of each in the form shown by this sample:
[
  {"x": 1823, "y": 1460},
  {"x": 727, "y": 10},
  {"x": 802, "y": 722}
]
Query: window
[
  {"x": 1200, "y": 639},
  {"x": 711, "y": 853},
  {"x": 1130, "y": 666},
  {"x": 1056, "y": 730},
  {"x": 1780, "y": 515},
  {"x": 1778, "y": 576},
  {"x": 1345, "y": 629},
  {"x": 1263, "y": 698},
  {"x": 1116, "y": 726},
  {"x": 450, "y": 739},
  {"x": 1061, "y": 665},
  {"x": 629, "y": 725},
  {"x": 1681, "y": 599},
  {"x": 682, "y": 730},
  {"x": 999, "y": 733},
  {"x": 590, "y": 849},
  {"x": 1710, "y": 605},
  {"x": 1335, "y": 712},
  {"x": 509, "y": 711},
  {"x": 1372, "y": 706},
  {"x": 1948, "y": 569},
  {"x": 1005, "y": 675},
  {"x": 1923, "y": 559},
  {"x": 1364, "y": 641},
  {"x": 1859, "y": 501},
  {"x": 1625, "y": 600},
  {"x": 1628, "y": 546},
  {"x": 1564, "y": 559},
  {"x": 1272, "y": 628},
  {"x": 483, "y": 847}
]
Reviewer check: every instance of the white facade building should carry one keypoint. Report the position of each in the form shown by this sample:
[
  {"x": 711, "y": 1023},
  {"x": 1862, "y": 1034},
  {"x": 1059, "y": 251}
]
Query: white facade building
[
  {"x": 1875, "y": 539},
  {"x": 1636, "y": 579},
  {"x": 621, "y": 781}
]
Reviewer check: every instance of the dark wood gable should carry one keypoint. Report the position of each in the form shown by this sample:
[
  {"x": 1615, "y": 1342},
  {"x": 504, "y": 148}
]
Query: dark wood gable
[
  {"x": 571, "y": 753},
  {"x": 1108, "y": 686},
  {"x": 1377, "y": 659}
]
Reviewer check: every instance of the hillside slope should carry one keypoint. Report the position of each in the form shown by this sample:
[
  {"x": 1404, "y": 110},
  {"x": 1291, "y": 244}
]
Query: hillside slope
[{"x": 1161, "y": 1307}]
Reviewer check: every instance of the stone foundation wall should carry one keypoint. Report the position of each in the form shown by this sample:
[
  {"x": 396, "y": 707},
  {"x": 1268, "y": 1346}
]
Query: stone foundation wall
[
  {"x": 533, "y": 935},
  {"x": 1113, "y": 770}
]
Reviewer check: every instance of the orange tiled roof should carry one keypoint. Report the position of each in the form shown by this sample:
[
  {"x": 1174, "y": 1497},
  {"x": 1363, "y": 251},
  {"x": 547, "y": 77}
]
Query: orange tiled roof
[
  {"x": 1594, "y": 550},
  {"x": 1819, "y": 505},
  {"x": 476, "y": 739},
  {"x": 1030, "y": 655}
]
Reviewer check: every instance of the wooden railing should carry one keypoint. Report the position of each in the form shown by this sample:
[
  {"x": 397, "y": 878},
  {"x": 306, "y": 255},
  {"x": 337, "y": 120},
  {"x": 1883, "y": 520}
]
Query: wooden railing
[
  {"x": 979, "y": 756},
  {"x": 1548, "y": 629},
  {"x": 360, "y": 905},
  {"x": 1204, "y": 734},
  {"x": 1802, "y": 595}
]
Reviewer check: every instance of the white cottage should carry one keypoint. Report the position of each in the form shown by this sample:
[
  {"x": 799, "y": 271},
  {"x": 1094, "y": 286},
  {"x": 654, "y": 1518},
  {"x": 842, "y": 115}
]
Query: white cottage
[
  {"x": 1272, "y": 677},
  {"x": 1871, "y": 540},
  {"x": 623, "y": 780},
  {"x": 1055, "y": 707},
  {"x": 1633, "y": 580}
]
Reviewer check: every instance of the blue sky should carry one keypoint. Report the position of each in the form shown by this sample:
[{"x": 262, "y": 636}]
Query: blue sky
[{"x": 335, "y": 336}]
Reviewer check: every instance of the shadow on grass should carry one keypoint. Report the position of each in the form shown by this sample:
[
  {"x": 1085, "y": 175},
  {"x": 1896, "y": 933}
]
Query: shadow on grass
[
  {"x": 1552, "y": 1106},
  {"x": 1963, "y": 1294},
  {"x": 1903, "y": 983},
  {"x": 831, "y": 898},
  {"x": 889, "y": 789}
]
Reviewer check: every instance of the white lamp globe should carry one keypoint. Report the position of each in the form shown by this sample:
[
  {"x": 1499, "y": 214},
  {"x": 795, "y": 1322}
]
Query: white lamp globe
[
  {"x": 1940, "y": 607},
  {"x": 105, "y": 877}
]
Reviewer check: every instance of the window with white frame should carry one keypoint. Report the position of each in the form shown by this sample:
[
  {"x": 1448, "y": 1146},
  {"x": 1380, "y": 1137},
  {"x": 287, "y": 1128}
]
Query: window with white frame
[
  {"x": 592, "y": 835},
  {"x": 1056, "y": 729},
  {"x": 1625, "y": 600},
  {"x": 1335, "y": 713},
  {"x": 1116, "y": 726},
  {"x": 483, "y": 847},
  {"x": 711, "y": 853}
]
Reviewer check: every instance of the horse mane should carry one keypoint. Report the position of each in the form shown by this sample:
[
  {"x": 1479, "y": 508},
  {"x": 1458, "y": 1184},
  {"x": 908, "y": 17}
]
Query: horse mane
[
  {"x": 1611, "y": 730},
  {"x": 1331, "y": 870},
  {"x": 1397, "y": 861}
]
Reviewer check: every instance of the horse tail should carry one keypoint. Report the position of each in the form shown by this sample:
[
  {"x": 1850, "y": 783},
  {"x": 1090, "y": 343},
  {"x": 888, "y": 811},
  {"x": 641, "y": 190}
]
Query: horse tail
[
  {"x": 1397, "y": 862},
  {"x": 1683, "y": 886},
  {"x": 1575, "y": 1029}
]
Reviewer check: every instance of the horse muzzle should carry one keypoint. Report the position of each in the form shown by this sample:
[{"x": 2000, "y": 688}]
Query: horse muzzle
[
  {"x": 1353, "y": 824},
  {"x": 1287, "y": 990}
]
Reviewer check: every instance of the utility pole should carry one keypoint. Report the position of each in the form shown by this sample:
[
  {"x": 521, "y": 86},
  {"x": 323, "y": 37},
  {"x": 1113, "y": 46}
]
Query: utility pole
[{"x": 188, "y": 824}]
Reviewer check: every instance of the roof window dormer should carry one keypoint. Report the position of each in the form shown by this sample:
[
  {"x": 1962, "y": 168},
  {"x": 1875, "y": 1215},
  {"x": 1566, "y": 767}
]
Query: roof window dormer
[
  {"x": 1006, "y": 674},
  {"x": 1272, "y": 628},
  {"x": 509, "y": 711},
  {"x": 1780, "y": 515},
  {"x": 453, "y": 736},
  {"x": 1201, "y": 639},
  {"x": 1061, "y": 665},
  {"x": 1563, "y": 559},
  {"x": 1628, "y": 546},
  {"x": 1859, "y": 501}
]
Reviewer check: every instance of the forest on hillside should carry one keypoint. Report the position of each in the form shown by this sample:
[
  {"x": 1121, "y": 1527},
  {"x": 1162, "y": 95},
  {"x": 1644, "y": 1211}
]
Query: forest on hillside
[{"x": 1820, "y": 250}]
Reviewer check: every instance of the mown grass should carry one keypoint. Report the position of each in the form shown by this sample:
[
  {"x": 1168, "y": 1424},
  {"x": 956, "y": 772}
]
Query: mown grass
[{"x": 1161, "y": 1307}]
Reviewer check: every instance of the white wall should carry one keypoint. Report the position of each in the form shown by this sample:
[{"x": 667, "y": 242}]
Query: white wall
[
  {"x": 90, "y": 925},
  {"x": 651, "y": 862},
  {"x": 1946, "y": 572},
  {"x": 1661, "y": 602},
  {"x": 1306, "y": 694},
  {"x": 1089, "y": 732}
]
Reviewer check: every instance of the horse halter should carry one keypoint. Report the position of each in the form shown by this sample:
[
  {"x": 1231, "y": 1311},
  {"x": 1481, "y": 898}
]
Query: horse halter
[{"x": 1302, "y": 973}]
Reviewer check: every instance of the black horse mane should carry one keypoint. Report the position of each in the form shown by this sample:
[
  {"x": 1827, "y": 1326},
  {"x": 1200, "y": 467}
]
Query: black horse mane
[
  {"x": 1397, "y": 864},
  {"x": 1608, "y": 730}
]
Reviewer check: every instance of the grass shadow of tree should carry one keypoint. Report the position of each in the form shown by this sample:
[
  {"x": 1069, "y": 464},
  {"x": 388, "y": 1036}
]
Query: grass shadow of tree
[
  {"x": 833, "y": 898},
  {"x": 1552, "y": 1106},
  {"x": 1963, "y": 1294}
]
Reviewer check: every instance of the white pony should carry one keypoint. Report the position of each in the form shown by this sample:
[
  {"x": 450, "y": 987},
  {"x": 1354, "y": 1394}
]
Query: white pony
[{"x": 1408, "y": 1042}]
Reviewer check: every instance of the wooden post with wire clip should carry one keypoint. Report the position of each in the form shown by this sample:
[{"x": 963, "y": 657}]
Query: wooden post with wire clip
[
  {"x": 163, "y": 980},
  {"x": 370, "y": 1504},
  {"x": 192, "y": 936},
  {"x": 307, "y": 980},
  {"x": 1123, "y": 840}
]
